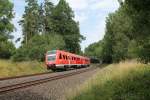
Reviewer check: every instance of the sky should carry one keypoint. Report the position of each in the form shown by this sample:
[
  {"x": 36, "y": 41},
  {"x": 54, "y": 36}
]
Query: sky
[{"x": 91, "y": 15}]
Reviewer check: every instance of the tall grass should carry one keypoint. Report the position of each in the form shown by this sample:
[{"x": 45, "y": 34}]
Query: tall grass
[
  {"x": 9, "y": 68},
  {"x": 123, "y": 81}
]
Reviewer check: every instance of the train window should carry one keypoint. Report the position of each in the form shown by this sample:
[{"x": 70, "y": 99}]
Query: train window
[
  {"x": 60, "y": 56},
  {"x": 66, "y": 58},
  {"x": 63, "y": 56}
]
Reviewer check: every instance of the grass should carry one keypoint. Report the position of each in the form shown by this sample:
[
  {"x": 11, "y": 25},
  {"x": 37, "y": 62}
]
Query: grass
[
  {"x": 123, "y": 81},
  {"x": 9, "y": 68}
]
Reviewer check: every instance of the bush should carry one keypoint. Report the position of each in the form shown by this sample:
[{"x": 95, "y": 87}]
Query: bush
[
  {"x": 144, "y": 53},
  {"x": 21, "y": 54},
  {"x": 6, "y": 49}
]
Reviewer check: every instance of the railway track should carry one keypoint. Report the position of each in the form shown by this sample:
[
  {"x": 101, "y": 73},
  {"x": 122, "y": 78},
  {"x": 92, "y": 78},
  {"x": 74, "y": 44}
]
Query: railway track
[
  {"x": 22, "y": 85},
  {"x": 22, "y": 76}
]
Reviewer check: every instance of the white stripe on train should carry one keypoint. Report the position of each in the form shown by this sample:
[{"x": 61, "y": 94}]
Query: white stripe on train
[{"x": 69, "y": 64}]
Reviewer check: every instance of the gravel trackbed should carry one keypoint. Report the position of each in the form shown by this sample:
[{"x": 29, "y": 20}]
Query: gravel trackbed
[{"x": 54, "y": 90}]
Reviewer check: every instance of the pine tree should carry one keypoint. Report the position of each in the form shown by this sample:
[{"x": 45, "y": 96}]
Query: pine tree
[
  {"x": 41, "y": 19},
  {"x": 48, "y": 7},
  {"x": 30, "y": 23}
]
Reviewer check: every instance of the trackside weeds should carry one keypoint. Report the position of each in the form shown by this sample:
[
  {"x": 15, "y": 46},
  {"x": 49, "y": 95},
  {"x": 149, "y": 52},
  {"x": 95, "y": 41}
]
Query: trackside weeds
[
  {"x": 9, "y": 68},
  {"x": 123, "y": 81}
]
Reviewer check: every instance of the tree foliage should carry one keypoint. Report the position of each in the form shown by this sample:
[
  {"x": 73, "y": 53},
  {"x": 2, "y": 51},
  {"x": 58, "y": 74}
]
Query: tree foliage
[
  {"x": 138, "y": 12},
  {"x": 6, "y": 27},
  {"x": 37, "y": 47},
  {"x": 94, "y": 50},
  {"x": 48, "y": 8},
  {"x": 64, "y": 24},
  {"x": 30, "y": 22},
  {"x": 127, "y": 33}
]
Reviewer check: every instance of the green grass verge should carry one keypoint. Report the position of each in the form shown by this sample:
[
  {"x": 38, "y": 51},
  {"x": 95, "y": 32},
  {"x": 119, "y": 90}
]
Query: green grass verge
[
  {"x": 124, "y": 81},
  {"x": 9, "y": 68}
]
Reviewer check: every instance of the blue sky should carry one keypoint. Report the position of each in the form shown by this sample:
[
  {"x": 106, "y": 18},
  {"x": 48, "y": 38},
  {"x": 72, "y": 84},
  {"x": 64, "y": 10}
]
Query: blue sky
[{"x": 91, "y": 15}]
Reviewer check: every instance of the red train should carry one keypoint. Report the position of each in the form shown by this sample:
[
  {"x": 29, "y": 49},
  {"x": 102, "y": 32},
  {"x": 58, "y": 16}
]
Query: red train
[{"x": 61, "y": 59}]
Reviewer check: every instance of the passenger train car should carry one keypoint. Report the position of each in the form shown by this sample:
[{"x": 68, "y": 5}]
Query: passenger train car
[{"x": 61, "y": 59}]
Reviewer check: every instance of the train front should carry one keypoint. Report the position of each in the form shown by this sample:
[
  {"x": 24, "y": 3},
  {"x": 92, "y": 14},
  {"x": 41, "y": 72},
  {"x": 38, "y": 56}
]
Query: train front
[{"x": 51, "y": 59}]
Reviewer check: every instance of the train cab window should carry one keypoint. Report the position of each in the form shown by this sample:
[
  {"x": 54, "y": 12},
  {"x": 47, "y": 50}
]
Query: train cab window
[
  {"x": 60, "y": 56},
  {"x": 66, "y": 58}
]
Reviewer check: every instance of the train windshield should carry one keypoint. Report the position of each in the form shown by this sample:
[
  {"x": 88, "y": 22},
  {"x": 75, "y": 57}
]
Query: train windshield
[
  {"x": 51, "y": 58},
  {"x": 51, "y": 52}
]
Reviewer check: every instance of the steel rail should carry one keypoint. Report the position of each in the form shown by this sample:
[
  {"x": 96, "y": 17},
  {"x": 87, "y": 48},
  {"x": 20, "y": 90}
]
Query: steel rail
[
  {"x": 24, "y": 76},
  {"x": 22, "y": 85}
]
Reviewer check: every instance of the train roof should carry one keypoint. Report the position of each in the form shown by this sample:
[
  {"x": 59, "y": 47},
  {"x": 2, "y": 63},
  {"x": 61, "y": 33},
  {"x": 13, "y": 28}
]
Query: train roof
[{"x": 54, "y": 51}]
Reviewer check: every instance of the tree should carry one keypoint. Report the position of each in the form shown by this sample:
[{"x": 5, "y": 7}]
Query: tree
[
  {"x": 41, "y": 19},
  {"x": 30, "y": 23},
  {"x": 121, "y": 25},
  {"x": 115, "y": 45},
  {"x": 94, "y": 50},
  {"x": 138, "y": 11},
  {"x": 127, "y": 33},
  {"x": 7, "y": 49},
  {"x": 6, "y": 27},
  {"x": 6, "y": 15},
  {"x": 48, "y": 7},
  {"x": 63, "y": 24}
]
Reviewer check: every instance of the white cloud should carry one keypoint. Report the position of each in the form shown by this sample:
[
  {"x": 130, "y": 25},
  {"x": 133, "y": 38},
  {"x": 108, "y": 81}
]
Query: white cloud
[
  {"x": 104, "y": 4},
  {"x": 78, "y": 4},
  {"x": 81, "y": 17}
]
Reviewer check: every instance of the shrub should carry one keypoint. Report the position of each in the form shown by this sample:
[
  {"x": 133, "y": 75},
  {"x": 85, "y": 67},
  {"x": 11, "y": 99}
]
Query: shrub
[{"x": 6, "y": 49}]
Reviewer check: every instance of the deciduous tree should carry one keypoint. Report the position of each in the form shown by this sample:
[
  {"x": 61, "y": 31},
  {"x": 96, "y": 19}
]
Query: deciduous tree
[{"x": 6, "y": 27}]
